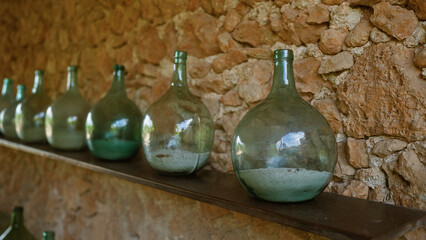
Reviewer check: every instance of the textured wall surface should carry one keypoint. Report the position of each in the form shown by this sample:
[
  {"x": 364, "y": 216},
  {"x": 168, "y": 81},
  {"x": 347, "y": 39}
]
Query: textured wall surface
[
  {"x": 361, "y": 63},
  {"x": 80, "y": 204}
]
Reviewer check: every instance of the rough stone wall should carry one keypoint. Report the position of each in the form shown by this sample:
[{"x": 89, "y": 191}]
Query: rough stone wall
[
  {"x": 361, "y": 63},
  {"x": 80, "y": 204}
]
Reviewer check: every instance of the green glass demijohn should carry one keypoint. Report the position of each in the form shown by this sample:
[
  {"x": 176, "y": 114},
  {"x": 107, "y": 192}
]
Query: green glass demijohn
[
  {"x": 7, "y": 116},
  {"x": 30, "y": 113},
  {"x": 113, "y": 123},
  {"x": 283, "y": 149},
  {"x": 66, "y": 117},
  {"x": 6, "y": 98},
  {"x": 48, "y": 235},
  {"x": 17, "y": 230},
  {"x": 177, "y": 130}
]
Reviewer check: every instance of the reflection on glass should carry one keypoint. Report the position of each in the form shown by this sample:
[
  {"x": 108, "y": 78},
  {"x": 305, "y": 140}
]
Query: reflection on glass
[
  {"x": 30, "y": 113},
  {"x": 7, "y": 116},
  {"x": 283, "y": 149},
  {"x": 113, "y": 124},
  {"x": 177, "y": 129}
]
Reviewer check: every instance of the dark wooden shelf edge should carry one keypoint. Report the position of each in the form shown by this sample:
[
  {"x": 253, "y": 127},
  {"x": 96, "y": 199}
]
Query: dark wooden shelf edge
[{"x": 329, "y": 215}]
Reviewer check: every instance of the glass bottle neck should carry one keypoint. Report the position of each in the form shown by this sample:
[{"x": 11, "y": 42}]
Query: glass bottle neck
[
  {"x": 179, "y": 74},
  {"x": 38, "y": 84},
  {"x": 7, "y": 89},
  {"x": 117, "y": 86},
  {"x": 20, "y": 94},
  {"x": 17, "y": 219},
  {"x": 283, "y": 77},
  {"x": 72, "y": 85}
]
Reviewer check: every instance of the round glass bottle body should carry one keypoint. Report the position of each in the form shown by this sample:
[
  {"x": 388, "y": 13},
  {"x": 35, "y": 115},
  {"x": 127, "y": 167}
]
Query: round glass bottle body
[
  {"x": 7, "y": 116},
  {"x": 177, "y": 130},
  {"x": 30, "y": 113},
  {"x": 66, "y": 117},
  {"x": 283, "y": 149},
  {"x": 113, "y": 123}
]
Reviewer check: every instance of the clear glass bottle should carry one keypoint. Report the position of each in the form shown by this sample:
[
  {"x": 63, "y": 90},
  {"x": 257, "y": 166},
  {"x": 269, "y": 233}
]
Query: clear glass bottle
[
  {"x": 7, "y": 116},
  {"x": 113, "y": 123},
  {"x": 48, "y": 235},
  {"x": 66, "y": 117},
  {"x": 177, "y": 130},
  {"x": 6, "y": 98},
  {"x": 30, "y": 113},
  {"x": 17, "y": 230},
  {"x": 283, "y": 149}
]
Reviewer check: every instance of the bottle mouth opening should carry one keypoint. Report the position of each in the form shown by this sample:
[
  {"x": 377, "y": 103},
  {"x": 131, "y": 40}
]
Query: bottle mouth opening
[
  {"x": 21, "y": 87},
  {"x": 7, "y": 80},
  {"x": 181, "y": 55},
  {"x": 72, "y": 68},
  {"x": 18, "y": 209},
  {"x": 118, "y": 67},
  {"x": 39, "y": 72},
  {"x": 283, "y": 54}
]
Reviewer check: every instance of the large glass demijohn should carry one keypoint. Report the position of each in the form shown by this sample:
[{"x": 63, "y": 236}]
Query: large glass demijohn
[
  {"x": 113, "y": 124},
  {"x": 177, "y": 130},
  {"x": 30, "y": 113},
  {"x": 7, "y": 116},
  {"x": 6, "y": 98},
  {"x": 17, "y": 229},
  {"x": 283, "y": 149},
  {"x": 66, "y": 117}
]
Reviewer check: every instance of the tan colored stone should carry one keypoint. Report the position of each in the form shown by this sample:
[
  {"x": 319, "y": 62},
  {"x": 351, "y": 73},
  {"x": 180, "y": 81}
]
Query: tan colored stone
[
  {"x": 367, "y": 3},
  {"x": 344, "y": 16},
  {"x": 205, "y": 27},
  {"x": 308, "y": 81},
  {"x": 198, "y": 68},
  {"x": 292, "y": 27},
  {"x": 211, "y": 100},
  {"x": 343, "y": 170},
  {"x": 420, "y": 59},
  {"x": 213, "y": 83},
  {"x": 333, "y": 2},
  {"x": 150, "y": 47},
  {"x": 232, "y": 19},
  {"x": 378, "y": 36},
  {"x": 252, "y": 3},
  {"x": 242, "y": 8},
  {"x": 388, "y": 146},
  {"x": 338, "y": 62},
  {"x": 228, "y": 60},
  {"x": 359, "y": 35},
  {"x": 170, "y": 39},
  {"x": 331, "y": 40},
  {"x": 418, "y": 37},
  {"x": 393, "y": 103},
  {"x": 248, "y": 31},
  {"x": 123, "y": 19},
  {"x": 227, "y": 43},
  {"x": 151, "y": 11},
  {"x": 380, "y": 194},
  {"x": 373, "y": 177},
  {"x": 329, "y": 110},
  {"x": 280, "y": 3},
  {"x": 231, "y": 98},
  {"x": 357, "y": 153},
  {"x": 356, "y": 189},
  {"x": 417, "y": 234},
  {"x": 394, "y": 20},
  {"x": 419, "y": 7},
  {"x": 411, "y": 169},
  {"x": 259, "y": 53},
  {"x": 318, "y": 14}
]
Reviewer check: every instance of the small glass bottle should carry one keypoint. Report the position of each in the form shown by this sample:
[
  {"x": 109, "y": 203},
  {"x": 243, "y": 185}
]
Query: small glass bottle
[
  {"x": 7, "y": 116},
  {"x": 283, "y": 149},
  {"x": 177, "y": 130},
  {"x": 113, "y": 123},
  {"x": 30, "y": 113},
  {"x": 17, "y": 230},
  {"x": 66, "y": 117},
  {"x": 6, "y": 98},
  {"x": 48, "y": 235}
]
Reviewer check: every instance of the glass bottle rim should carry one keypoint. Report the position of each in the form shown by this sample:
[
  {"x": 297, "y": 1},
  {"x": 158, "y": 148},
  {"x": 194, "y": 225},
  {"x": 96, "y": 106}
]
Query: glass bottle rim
[
  {"x": 118, "y": 67},
  {"x": 21, "y": 87},
  {"x": 286, "y": 54},
  {"x": 7, "y": 80},
  {"x": 181, "y": 55},
  {"x": 72, "y": 68},
  {"x": 39, "y": 72}
]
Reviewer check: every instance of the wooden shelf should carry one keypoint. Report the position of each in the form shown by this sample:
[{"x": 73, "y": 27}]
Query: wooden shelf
[{"x": 330, "y": 215}]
